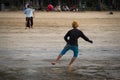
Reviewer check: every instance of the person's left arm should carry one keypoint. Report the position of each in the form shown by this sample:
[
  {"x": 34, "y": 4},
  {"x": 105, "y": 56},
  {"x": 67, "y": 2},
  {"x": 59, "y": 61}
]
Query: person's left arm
[
  {"x": 85, "y": 37},
  {"x": 66, "y": 37},
  {"x": 33, "y": 12}
]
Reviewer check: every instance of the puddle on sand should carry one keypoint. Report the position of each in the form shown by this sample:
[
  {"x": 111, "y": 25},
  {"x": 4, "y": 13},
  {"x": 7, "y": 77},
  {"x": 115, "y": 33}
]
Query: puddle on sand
[{"x": 53, "y": 73}]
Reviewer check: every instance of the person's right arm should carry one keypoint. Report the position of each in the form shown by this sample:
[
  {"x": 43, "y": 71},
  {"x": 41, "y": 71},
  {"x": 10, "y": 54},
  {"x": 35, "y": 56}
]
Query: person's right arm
[{"x": 24, "y": 11}]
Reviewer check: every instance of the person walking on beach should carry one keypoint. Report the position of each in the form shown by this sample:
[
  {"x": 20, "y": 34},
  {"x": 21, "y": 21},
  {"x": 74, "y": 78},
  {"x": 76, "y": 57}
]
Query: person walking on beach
[
  {"x": 71, "y": 39},
  {"x": 29, "y": 17}
]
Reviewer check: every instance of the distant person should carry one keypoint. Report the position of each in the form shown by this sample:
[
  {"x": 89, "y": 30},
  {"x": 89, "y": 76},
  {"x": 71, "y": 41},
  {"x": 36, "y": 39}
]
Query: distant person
[
  {"x": 58, "y": 8},
  {"x": 50, "y": 7},
  {"x": 98, "y": 7},
  {"x": 111, "y": 13},
  {"x": 65, "y": 7},
  {"x": 29, "y": 12},
  {"x": 71, "y": 39},
  {"x": 84, "y": 6},
  {"x": 73, "y": 8}
]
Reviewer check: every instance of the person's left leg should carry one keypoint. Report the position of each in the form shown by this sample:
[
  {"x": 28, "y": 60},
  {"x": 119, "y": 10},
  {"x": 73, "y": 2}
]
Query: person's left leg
[{"x": 31, "y": 21}]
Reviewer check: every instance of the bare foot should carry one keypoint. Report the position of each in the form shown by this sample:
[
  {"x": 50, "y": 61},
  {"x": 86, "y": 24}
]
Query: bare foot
[
  {"x": 53, "y": 63},
  {"x": 70, "y": 68}
]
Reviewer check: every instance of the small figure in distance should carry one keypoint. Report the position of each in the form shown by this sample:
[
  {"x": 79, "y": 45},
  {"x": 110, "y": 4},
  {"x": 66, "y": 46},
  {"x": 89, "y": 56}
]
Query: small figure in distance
[{"x": 29, "y": 12}]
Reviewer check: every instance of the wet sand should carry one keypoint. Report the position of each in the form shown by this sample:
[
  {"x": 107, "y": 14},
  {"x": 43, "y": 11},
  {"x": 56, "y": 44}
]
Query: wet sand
[{"x": 27, "y": 54}]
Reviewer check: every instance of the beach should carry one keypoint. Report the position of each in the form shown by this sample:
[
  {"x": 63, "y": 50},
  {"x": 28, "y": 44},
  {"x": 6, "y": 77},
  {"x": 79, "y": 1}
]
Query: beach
[{"x": 27, "y": 54}]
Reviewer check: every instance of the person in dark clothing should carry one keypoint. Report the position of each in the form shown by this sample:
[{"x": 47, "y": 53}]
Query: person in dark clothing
[{"x": 71, "y": 39}]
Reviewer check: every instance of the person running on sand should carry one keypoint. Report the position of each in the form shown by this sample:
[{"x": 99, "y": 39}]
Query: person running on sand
[
  {"x": 71, "y": 39},
  {"x": 29, "y": 16}
]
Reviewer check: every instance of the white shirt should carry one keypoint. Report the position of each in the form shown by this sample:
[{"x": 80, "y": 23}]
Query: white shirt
[{"x": 29, "y": 12}]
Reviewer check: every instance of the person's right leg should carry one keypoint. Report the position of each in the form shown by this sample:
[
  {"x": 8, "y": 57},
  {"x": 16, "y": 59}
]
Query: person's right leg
[
  {"x": 27, "y": 22},
  {"x": 66, "y": 48},
  {"x": 29, "y": 19},
  {"x": 58, "y": 58}
]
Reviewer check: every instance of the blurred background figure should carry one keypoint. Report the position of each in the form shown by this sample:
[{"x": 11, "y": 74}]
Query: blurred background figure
[
  {"x": 73, "y": 8},
  {"x": 50, "y": 7},
  {"x": 58, "y": 8},
  {"x": 29, "y": 12},
  {"x": 65, "y": 7}
]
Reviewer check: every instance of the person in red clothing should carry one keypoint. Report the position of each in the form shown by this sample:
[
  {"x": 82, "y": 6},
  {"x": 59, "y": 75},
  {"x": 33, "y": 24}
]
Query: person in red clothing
[
  {"x": 50, "y": 7},
  {"x": 71, "y": 39}
]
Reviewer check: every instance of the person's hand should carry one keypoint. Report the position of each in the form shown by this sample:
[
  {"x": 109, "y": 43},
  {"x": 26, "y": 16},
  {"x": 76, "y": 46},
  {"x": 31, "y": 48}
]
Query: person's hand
[
  {"x": 90, "y": 41},
  {"x": 33, "y": 16}
]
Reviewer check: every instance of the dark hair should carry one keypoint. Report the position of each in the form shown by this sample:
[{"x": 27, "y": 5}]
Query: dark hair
[{"x": 28, "y": 6}]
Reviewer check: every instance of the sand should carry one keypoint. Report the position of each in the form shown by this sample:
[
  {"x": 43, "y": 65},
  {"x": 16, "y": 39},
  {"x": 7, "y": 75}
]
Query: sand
[{"x": 27, "y": 54}]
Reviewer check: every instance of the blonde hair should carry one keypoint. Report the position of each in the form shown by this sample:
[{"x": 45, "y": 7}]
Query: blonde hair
[{"x": 75, "y": 24}]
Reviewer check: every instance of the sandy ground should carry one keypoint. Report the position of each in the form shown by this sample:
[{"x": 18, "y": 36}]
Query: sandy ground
[{"x": 27, "y": 54}]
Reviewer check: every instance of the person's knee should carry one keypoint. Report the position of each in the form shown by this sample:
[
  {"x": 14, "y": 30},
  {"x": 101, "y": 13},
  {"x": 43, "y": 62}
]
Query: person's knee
[
  {"x": 62, "y": 53},
  {"x": 75, "y": 55}
]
